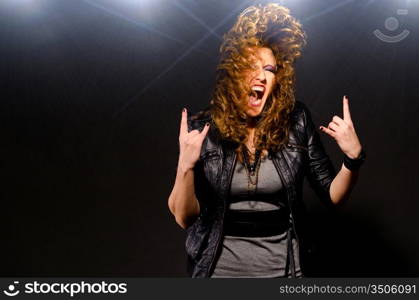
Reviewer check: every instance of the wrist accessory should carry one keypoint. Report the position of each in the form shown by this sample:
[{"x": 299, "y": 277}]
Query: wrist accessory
[{"x": 354, "y": 164}]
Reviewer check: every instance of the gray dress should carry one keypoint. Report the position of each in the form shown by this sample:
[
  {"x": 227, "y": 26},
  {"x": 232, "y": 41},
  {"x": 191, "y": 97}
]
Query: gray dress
[{"x": 263, "y": 257}]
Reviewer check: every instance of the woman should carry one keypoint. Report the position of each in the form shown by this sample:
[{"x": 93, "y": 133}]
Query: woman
[{"x": 242, "y": 162}]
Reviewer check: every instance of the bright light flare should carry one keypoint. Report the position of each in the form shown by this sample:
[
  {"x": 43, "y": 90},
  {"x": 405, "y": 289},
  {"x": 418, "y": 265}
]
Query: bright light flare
[{"x": 22, "y": 7}]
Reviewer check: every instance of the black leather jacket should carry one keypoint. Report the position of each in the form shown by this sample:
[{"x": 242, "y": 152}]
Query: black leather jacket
[{"x": 302, "y": 156}]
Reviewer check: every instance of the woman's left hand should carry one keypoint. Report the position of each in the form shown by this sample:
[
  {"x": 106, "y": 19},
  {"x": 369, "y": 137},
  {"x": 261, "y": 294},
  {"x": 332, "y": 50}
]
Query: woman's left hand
[{"x": 343, "y": 131}]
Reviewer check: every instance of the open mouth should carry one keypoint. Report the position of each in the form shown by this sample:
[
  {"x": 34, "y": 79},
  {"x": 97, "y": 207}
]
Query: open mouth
[{"x": 256, "y": 95}]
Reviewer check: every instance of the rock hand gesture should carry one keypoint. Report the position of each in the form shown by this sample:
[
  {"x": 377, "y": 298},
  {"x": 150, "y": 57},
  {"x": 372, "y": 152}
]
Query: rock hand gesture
[
  {"x": 190, "y": 143},
  {"x": 343, "y": 131},
  {"x": 182, "y": 200}
]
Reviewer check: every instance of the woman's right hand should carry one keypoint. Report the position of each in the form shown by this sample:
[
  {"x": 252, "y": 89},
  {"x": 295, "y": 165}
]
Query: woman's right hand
[{"x": 190, "y": 143}]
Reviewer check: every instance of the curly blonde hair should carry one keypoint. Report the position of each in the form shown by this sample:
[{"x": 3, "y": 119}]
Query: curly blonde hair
[{"x": 259, "y": 26}]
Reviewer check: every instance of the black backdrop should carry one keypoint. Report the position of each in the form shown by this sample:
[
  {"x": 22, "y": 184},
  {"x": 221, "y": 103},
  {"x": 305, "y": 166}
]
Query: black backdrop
[{"x": 91, "y": 96}]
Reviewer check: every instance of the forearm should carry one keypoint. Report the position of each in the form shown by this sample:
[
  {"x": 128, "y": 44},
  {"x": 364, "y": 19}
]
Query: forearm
[
  {"x": 183, "y": 203},
  {"x": 343, "y": 184}
]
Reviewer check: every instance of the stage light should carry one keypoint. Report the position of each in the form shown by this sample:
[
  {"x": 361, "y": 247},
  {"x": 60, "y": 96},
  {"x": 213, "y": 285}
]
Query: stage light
[
  {"x": 17, "y": 3},
  {"x": 22, "y": 7}
]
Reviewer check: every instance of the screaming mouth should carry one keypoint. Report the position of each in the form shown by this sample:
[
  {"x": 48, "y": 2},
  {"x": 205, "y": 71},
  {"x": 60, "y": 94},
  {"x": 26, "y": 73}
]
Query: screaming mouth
[{"x": 255, "y": 98}]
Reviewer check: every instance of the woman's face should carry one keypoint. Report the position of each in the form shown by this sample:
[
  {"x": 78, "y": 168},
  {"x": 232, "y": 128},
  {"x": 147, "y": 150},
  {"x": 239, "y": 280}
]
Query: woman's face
[{"x": 261, "y": 81}]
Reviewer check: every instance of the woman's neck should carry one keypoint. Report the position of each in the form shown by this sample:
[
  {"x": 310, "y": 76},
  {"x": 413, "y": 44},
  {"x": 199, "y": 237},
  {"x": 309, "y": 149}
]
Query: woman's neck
[
  {"x": 251, "y": 123},
  {"x": 250, "y": 138}
]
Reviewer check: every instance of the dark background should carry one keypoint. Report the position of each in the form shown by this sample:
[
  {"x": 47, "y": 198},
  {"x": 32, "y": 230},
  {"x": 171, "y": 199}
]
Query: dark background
[{"x": 91, "y": 97}]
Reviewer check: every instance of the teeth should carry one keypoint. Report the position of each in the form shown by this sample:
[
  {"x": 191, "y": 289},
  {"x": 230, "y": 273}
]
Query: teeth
[
  {"x": 255, "y": 102},
  {"x": 258, "y": 88}
]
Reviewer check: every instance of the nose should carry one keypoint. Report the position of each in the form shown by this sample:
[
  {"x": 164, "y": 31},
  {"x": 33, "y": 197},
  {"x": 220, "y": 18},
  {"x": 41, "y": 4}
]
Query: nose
[{"x": 261, "y": 75}]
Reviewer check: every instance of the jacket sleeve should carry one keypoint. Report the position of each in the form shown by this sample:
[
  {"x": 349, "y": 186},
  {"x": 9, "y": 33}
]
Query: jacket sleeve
[{"x": 321, "y": 171}]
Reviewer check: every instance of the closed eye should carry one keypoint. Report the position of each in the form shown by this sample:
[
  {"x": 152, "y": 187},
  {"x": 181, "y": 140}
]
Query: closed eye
[{"x": 271, "y": 69}]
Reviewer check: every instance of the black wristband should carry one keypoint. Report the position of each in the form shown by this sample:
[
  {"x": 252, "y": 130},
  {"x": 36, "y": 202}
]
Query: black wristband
[{"x": 354, "y": 163}]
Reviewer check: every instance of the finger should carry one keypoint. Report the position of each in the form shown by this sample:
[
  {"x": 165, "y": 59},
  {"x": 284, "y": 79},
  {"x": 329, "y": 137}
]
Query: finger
[
  {"x": 192, "y": 134},
  {"x": 338, "y": 120},
  {"x": 192, "y": 139},
  {"x": 333, "y": 126},
  {"x": 328, "y": 131},
  {"x": 346, "y": 112},
  {"x": 195, "y": 139},
  {"x": 183, "y": 122},
  {"x": 205, "y": 130}
]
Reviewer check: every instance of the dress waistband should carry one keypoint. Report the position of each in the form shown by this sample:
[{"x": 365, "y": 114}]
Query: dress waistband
[{"x": 256, "y": 223}]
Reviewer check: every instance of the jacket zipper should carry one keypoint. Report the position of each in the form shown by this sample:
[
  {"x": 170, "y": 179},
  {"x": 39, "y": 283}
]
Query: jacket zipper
[
  {"x": 289, "y": 202},
  {"x": 224, "y": 209}
]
